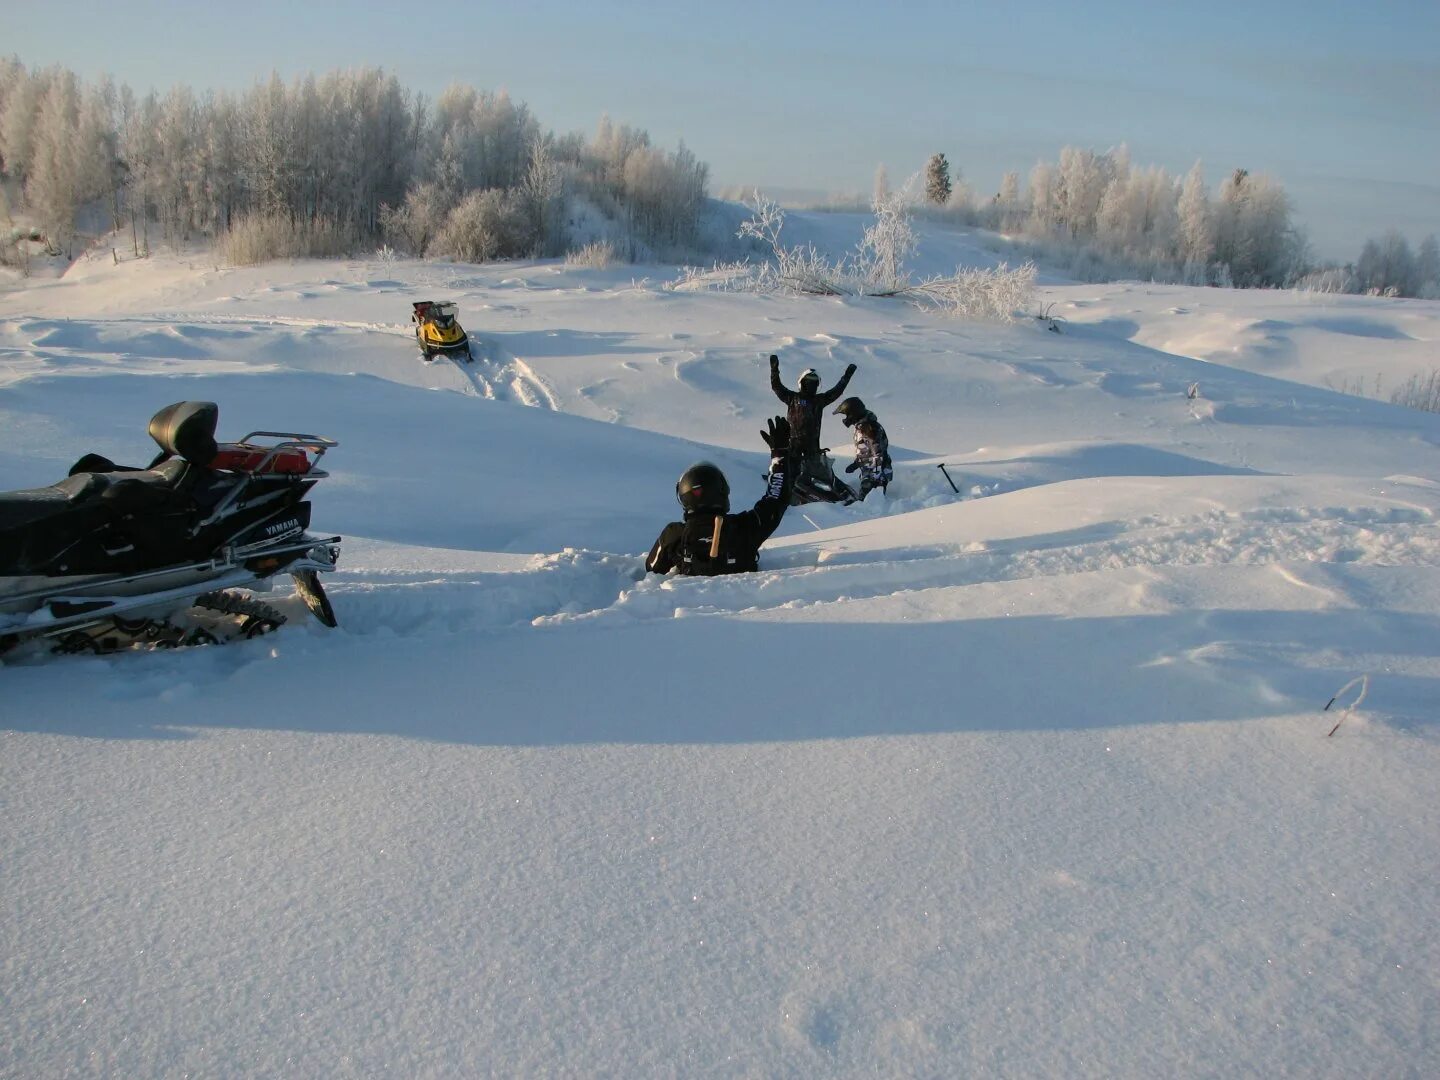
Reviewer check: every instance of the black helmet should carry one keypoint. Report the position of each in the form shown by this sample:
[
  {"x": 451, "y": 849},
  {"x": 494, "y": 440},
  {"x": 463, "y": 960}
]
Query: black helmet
[
  {"x": 811, "y": 376},
  {"x": 703, "y": 487},
  {"x": 852, "y": 409}
]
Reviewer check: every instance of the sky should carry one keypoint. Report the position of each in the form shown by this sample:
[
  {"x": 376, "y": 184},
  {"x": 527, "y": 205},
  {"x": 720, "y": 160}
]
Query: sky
[{"x": 1340, "y": 102}]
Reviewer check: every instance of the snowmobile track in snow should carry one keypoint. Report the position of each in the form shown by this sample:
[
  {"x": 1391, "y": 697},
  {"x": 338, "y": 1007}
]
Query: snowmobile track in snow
[{"x": 500, "y": 376}]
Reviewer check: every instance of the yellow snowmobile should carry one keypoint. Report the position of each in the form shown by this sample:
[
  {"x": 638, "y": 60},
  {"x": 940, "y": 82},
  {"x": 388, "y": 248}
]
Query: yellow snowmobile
[{"x": 437, "y": 331}]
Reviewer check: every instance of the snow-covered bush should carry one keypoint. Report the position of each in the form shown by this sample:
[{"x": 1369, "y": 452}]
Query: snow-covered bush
[
  {"x": 486, "y": 225},
  {"x": 875, "y": 268},
  {"x": 979, "y": 294},
  {"x": 418, "y": 220}
]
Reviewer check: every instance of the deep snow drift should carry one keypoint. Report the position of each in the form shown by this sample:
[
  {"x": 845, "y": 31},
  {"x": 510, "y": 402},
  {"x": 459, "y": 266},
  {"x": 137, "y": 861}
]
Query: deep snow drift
[{"x": 1027, "y": 781}]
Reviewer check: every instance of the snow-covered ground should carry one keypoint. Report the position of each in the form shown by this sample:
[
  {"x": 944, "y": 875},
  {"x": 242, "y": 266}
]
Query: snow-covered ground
[{"x": 1029, "y": 781}]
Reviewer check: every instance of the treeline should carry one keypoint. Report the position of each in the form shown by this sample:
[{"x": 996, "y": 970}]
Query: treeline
[
  {"x": 336, "y": 163},
  {"x": 1102, "y": 216},
  {"x": 1387, "y": 266}
]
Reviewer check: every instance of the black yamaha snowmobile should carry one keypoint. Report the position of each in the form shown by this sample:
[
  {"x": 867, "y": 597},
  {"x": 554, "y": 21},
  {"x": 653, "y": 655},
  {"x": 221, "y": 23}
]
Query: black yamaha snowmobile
[
  {"x": 815, "y": 481},
  {"x": 117, "y": 556}
]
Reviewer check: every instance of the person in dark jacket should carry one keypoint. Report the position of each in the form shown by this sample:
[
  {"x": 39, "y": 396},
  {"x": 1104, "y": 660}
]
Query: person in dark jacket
[
  {"x": 872, "y": 446},
  {"x": 805, "y": 409},
  {"x": 711, "y": 540},
  {"x": 805, "y": 406}
]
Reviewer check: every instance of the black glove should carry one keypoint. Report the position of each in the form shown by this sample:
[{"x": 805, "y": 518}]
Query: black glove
[
  {"x": 774, "y": 362},
  {"x": 851, "y": 370},
  {"x": 852, "y": 466},
  {"x": 777, "y": 435}
]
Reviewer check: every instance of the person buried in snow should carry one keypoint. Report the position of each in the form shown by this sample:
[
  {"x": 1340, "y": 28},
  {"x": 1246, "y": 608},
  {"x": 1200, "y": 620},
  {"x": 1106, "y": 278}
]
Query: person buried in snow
[{"x": 711, "y": 540}]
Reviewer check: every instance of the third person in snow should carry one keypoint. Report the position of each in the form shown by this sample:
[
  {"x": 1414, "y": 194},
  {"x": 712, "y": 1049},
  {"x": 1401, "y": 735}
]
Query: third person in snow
[{"x": 872, "y": 446}]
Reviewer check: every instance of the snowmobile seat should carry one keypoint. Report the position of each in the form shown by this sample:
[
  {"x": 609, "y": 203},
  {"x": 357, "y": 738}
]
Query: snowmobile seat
[
  {"x": 19, "y": 508},
  {"x": 38, "y": 524},
  {"x": 116, "y": 493},
  {"x": 186, "y": 430}
]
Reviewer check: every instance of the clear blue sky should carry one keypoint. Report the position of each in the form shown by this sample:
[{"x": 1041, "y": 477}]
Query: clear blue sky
[{"x": 1340, "y": 101}]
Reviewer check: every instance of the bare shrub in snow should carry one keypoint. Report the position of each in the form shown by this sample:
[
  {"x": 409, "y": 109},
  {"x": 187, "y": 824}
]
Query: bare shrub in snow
[
  {"x": 596, "y": 255},
  {"x": 1333, "y": 279},
  {"x": 1420, "y": 392},
  {"x": 258, "y": 238}
]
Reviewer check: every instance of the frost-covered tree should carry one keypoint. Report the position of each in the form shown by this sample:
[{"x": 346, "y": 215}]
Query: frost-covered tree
[
  {"x": 937, "y": 180},
  {"x": 17, "y": 121},
  {"x": 545, "y": 196},
  {"x": 52, "y": 185},
  {"x": 1427, "y": 268},
  {"x": 887, "y": 243},
  {"x": 1083, "y": 177},
  {"x": 1045, "y": 206},
  {"x": 1254, "y": 238},
  {"x": 1007, "y": 209},
  {"x": 1196, "y": 239},
  {"x": 880, "y": 189},
  {"x": 1387, "y": 266},
  {"x": 664, "y": 193},
  {"x": 269, "y": 146},
  {"x": 12, "y": 77}
]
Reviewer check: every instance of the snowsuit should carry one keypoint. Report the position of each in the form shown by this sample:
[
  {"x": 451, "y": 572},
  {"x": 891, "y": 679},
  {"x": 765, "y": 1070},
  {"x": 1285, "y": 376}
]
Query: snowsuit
[
  {"x": 872, "y": 454},
  {"x": 685, "y": 545},
  {"x": 805, "y": 413}
]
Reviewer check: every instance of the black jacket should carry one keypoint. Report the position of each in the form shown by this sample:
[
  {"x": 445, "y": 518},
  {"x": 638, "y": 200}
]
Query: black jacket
[
  {"x": 685, "y": 545},
  {"x": 805, "y": 413}
]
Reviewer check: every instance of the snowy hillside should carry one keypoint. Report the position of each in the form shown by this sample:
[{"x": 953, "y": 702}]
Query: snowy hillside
[{"x": 1026, "y": 781}]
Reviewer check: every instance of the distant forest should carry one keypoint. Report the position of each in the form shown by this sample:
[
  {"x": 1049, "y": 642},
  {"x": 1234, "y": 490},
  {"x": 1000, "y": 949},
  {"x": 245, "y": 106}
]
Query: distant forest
[{"x": 327, "y": 165}]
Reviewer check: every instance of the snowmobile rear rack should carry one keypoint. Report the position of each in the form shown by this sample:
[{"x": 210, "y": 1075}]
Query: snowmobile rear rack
[{"x": 292, "y": 440}]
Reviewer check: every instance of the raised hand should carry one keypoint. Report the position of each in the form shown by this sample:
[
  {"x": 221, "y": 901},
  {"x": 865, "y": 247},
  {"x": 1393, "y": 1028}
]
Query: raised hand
[{"x": 777, "y": 435}]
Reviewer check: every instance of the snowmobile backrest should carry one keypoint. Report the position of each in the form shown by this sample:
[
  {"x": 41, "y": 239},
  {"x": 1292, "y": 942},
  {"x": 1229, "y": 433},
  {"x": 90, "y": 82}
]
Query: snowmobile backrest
[{"x": 187, "y": 429}]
